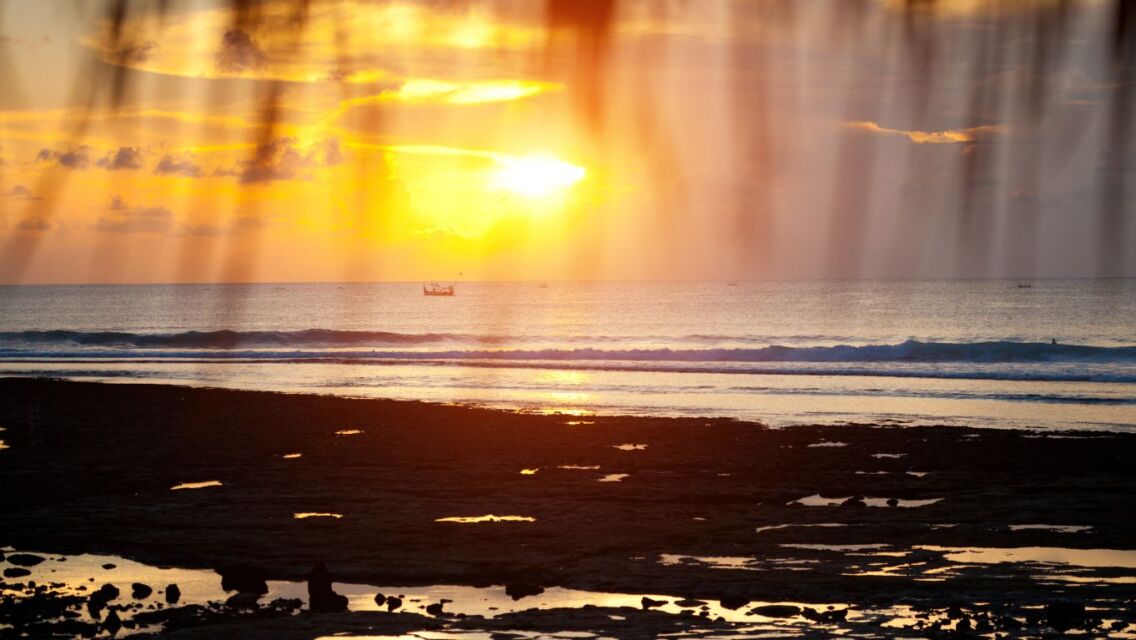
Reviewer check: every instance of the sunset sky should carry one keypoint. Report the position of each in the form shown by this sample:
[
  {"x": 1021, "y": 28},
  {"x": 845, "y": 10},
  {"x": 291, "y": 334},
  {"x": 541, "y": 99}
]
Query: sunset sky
[{"x": 397, "y": 140}]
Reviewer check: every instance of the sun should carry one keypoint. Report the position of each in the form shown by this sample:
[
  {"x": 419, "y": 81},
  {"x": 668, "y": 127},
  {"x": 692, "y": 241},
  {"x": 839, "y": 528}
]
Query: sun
[{"x": 536, "y": 175}]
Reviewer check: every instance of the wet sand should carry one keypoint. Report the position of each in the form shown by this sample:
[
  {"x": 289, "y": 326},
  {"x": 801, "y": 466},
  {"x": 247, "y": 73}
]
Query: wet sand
[{"x": 701, "y": 508}]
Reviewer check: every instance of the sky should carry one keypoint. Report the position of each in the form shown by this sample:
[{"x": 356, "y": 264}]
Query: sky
[{"x": 356, "y": 140}]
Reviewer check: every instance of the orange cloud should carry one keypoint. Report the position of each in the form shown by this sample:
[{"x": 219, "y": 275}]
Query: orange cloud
[{"x": 947, "y": 136}]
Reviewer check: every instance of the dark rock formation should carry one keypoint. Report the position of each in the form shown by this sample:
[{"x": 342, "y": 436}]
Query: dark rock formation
[
  {"x": 522, "y": 589},
  {"x": 140, "y": 591},
  {"x": 321, "y": 597},
  {"x": 112, "y": 623},
  {"x": 243, "y": 579},
  {"x": 24, "y": 559},
  {"x": 733, "y": 602},
  {"x": 1063, "y": 616},
  {"x": 173, "y": 594},
  {"x": 776, "y": 611}
]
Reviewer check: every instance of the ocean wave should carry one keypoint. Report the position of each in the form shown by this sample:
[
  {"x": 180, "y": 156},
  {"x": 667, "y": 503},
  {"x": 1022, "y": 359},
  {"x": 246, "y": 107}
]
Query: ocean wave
[
  {"x": 309, "y": 342},
  {"x": 229, "y": 339},
  {"x": 1035, "y": 372}
]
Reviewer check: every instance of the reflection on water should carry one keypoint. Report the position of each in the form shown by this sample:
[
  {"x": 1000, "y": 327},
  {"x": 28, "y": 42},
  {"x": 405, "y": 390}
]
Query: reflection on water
[
  {"x": 81, "y": 574},
  {"x": 714, "y": 562},
  {"x": 828, "y": 444},
  {"x": 291, "y": 456},
  {"x": 836, "y": 547},
  {"x": 486, "y": 518},
  {"x": 304, "y": 515},
  {"x": 579, "y": 467},
  {"x": 817, "y": 500},
  {"x": 3, "y": 445},
  {"x": 1090, "y": 558},
  {"x": 774, "y": 527},
  {"x": 196, "y": 485},
  {"x": 614, "y": 477},
  {"x": 348, "y": 432},
  {"x": 631, "y": 447},
  {"x": 1057, "y": 528},
  {"x": 529, "y": 472}
]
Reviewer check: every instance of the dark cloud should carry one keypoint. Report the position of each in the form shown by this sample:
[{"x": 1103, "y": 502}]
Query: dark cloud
[
  {"x": 122, "y": 218},
  {"x": 204, "y": 230},
  {"x": 239, "y": 52},
  {"x": 124, "y": 158},
  {"x": 281, "y": 159},
  {"x": 242, "y": 224},
  {"x": 174, "y": 165},
  {"x": 20, "y": 192},
  {"x": 35, "y": 224},
  {"x": 136, "y": 53},
  {"x": 251, "y": 222},
  {"x": 75, "y": 158}
]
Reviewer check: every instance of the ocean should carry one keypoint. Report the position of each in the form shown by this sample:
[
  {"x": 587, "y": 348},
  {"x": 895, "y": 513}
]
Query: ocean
[{"x": 1058, "y": 354}]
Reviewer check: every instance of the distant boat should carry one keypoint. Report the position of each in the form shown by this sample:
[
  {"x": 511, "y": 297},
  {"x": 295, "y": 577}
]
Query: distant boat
[
  {"x": 1025, "y": 285},
  {"x": 544, "y": 285},
  {"x": 732, "y": 284},
  {"x": 435, "y": 289}
]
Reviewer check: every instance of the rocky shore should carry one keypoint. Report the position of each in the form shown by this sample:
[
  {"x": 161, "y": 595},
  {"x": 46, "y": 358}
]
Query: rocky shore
[{"x": 312, "y": 488}]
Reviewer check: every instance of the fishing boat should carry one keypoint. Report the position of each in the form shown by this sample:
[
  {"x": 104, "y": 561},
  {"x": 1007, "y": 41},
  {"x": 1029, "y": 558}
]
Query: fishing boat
[{"x": 435, "y": 289}]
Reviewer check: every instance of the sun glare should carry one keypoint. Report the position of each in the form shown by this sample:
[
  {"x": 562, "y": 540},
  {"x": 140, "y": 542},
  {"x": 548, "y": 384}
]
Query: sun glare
[{"x": 536, "y": 175}]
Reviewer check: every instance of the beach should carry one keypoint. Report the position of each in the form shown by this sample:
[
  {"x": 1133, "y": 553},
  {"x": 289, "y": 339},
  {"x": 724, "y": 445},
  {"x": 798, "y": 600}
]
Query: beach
[{"x": 859, "y": 515}]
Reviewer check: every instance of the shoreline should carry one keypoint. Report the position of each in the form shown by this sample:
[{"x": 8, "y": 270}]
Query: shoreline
[{"x": 90, "y": 468}]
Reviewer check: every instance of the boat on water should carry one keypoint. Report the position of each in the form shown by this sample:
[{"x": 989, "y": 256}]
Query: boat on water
[
  {"x": 435, "y": 289},
  {"x": 1025, "y": 285}
]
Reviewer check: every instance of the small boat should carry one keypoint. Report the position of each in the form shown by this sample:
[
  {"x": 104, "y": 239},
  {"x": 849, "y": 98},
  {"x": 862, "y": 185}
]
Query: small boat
[
  {"x": 1025, "y": 285},
  {"x": 435, "y": 289},
  {"x": 543, "y": 285}
]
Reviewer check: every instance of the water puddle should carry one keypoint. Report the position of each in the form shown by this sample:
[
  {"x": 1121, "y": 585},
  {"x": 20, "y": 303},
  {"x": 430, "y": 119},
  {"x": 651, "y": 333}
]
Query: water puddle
[
  {"x": 1056, "y": 528},
  {"x": 579, "y": 467},
  {"x": 196, "y": 485},
  {"x": 916, "y": 474},
  {"x": 837, "y": 547},
  {"x": 144, "y": 591},
  {"x": 774, "y": 527},
  {"x": 486, "y": 518},
  {"x": 630, "y": 447},
  {"x": 81, "y": 575},
  {"x": 614, "y": 477},
  {"x": 1085, "y": 558},
  {"x": 348, "y": 432},
  {"x": 529, "y": 472},
  {"x": 1057, "y": 565},
  {"x": 818, "y": 500},
  {"x": 304, "y": 515},
  {"x": 714, "y": 562}
]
